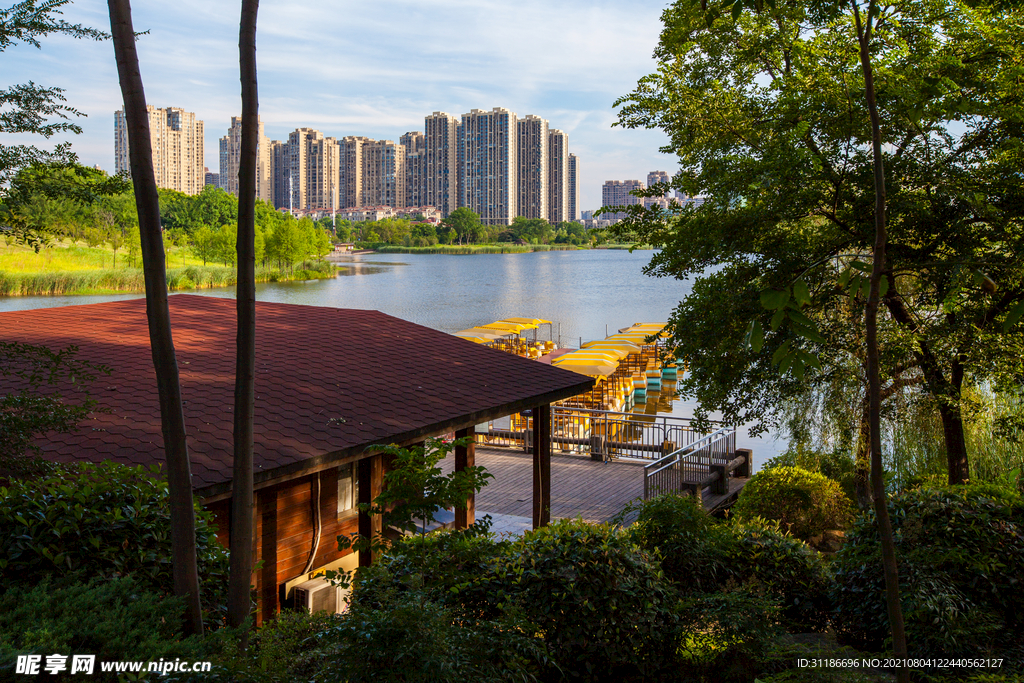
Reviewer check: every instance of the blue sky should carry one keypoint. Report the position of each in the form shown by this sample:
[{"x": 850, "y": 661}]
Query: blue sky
[{"x": 374, "y": 69}]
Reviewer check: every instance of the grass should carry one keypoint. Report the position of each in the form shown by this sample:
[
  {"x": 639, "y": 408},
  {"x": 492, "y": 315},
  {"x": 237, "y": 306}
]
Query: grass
[{"x": 73, "y": 269}]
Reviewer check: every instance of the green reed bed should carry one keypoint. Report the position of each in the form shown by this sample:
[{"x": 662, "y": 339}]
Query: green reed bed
[{"x": 132, "y": 280}]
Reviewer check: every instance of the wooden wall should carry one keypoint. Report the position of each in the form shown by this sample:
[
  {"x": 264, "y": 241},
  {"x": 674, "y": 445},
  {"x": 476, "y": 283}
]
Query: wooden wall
[{"x": 285, "y": 528}]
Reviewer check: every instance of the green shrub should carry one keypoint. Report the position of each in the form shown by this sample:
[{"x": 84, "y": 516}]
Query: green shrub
[
  {"x": 694, "y": 547},
  {"x": 765, "y": 560},
  {"x": 960, "y": 550},
  {"x": 408, "y": 638},
  {"x": 105, "y": 520},
  {"x": 599, "y": 599},
  {"x": 453, "y": 569},
  {"x": 804, "y": 503},
  {"x": 837, "y": 465},
  {"x": 701, "y": 555},
  {"x": 115, "y": 619}
]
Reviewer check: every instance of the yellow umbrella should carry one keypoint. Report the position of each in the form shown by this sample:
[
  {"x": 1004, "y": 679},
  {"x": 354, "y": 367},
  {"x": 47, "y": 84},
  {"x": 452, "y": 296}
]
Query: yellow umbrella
[
  {"x": 514, "y": 328},
  {"x": 585, "y": 360},
  {"x": 645, "y": 327},
  {"x": 526, "y": 321},
  {"x": 635, "y": 337},
  {"x": 478, "y": 340},
  {"x": 481, "y": 332},
  {"x": 609, "y": 351},
  {"x": 620, "y": 344},
  {"x": 599, "y": 371},
  {"x": 603, "y": 357}
]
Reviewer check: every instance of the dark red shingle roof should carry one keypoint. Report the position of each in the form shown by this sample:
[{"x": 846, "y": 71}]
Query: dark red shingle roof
[{"x": 329, "y": 382}]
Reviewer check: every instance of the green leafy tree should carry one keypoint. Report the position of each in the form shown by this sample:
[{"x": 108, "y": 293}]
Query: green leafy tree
[
  {"x": 465, "y": 222},
  {"x": 30, "y": 108},
  {"x": 204, "y": 243}
]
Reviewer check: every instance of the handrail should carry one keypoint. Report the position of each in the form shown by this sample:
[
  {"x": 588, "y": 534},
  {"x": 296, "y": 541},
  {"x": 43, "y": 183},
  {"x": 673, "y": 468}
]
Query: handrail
[{"x": 694, "y": 467}]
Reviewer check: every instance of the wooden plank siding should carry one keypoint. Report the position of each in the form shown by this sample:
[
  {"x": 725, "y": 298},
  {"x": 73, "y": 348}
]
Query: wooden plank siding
[{"x": 285, "y": 532}]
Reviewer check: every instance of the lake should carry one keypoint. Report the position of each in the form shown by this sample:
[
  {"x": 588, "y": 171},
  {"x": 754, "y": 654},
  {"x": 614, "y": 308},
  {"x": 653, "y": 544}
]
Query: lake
[{"x": 586, "y": 294}]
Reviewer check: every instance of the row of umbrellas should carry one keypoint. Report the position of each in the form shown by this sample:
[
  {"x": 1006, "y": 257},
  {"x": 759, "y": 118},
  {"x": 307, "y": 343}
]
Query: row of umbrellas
[
  {"x": 600, "y": 358},
  {"x": 507, "y": 327}
]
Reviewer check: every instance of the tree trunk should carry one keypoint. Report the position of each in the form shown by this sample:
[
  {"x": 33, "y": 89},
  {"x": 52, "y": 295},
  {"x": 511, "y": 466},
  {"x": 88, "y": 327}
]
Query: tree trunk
[
  {"x": 172, "y": 419},
  {"x": 239, "y": 582},
  {"x": 862, "y": 463},
  {"x": 892, "y": 587},
  {"x": 947, "y": 392}
]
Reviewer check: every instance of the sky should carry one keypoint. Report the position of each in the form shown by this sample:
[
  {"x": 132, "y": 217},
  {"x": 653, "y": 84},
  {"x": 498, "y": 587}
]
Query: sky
[{"x": 372, "y": 69}]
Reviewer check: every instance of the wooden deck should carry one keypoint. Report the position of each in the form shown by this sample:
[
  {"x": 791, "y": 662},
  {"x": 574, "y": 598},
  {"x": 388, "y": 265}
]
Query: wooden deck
[{"x": 580, "y": 487}]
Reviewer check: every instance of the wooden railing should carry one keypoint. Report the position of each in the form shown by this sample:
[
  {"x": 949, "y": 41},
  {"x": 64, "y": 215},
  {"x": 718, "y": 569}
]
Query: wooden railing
[{"x": 707, "y": 462}]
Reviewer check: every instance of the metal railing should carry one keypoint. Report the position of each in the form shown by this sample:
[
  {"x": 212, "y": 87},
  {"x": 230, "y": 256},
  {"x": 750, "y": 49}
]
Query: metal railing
[
  {"x": 705, "y": 462},
  {"x": 601, "y": 434}
]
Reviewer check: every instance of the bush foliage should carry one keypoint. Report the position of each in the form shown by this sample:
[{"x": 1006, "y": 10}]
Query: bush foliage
[
  {"x": 104, "y": 520},
  {"x": 803, "y": 503},
  {"x": 960, "y": 550},
  {"x": 114, "y": 619}
]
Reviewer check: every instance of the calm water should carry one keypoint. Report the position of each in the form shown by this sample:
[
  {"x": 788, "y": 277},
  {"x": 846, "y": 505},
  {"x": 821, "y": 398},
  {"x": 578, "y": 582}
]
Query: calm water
[{"x": 584, "y": 293}]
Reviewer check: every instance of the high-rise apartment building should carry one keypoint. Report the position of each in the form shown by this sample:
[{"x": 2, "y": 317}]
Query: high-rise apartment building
[
  {"x": 306, "y": 171},
  {"x": 231, "y": 153},
  {"x": 574, "y": 188},
  {"x": 176, "y": 137},
  {"x": 533, "y": 167},
  {"x": 383, "y": 174},
  {"x": 489, "y": 162},
  {"x": 351, "y": 171},
  {"x": 558, "y": 177},
  {"x": 616, "y": 193},
  {"x": 415, "y": 145},
  {"x": 441, "y": 171}
]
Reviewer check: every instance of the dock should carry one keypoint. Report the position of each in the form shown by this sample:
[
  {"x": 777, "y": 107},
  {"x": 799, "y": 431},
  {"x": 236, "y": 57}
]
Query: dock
[{"x": 580, "y": 487}]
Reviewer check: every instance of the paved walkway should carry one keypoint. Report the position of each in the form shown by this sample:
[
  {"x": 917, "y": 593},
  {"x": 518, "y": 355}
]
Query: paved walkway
[{"x": 580, "y": 487}]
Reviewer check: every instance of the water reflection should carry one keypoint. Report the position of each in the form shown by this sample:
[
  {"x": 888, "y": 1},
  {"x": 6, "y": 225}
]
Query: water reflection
[{"x": 582, "y": 292}]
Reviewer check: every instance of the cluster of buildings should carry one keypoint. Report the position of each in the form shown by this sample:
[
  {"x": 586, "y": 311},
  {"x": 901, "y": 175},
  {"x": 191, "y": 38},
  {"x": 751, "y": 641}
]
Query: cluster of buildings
[{"x": 494, "y": 162}]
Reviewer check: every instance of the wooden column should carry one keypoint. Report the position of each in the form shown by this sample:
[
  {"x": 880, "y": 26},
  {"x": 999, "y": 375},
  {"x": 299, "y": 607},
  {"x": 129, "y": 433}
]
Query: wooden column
[
  {"x": 541, "y": 466},
  {"x": 267, "y": 526},
  {"x": 465, "y": 456},
  {"x": 371, "y": 480}
]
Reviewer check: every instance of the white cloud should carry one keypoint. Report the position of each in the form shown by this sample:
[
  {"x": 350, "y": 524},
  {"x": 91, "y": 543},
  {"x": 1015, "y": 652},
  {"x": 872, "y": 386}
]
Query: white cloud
[{"x": 375, "y": 69}]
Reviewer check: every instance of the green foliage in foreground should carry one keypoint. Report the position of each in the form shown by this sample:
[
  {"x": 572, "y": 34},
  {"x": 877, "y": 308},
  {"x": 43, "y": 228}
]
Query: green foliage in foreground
[
  {"x": 115, "y": 619},
  {"x": 678, "y": 596},
  {"x": 960, "y": 550},
  {"x": 803, "y": 503},
  {"x": 105, "y": 521}
]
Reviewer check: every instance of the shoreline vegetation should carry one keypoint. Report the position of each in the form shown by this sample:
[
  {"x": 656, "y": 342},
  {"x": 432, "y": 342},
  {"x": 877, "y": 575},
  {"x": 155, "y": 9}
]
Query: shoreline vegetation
[
  {"x": 61, "y": 270},
  {"x": 491, "y": 248}
]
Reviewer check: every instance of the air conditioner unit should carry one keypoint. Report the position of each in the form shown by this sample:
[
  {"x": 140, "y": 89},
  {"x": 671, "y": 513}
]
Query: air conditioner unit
[{"x": 320, "y": 595}]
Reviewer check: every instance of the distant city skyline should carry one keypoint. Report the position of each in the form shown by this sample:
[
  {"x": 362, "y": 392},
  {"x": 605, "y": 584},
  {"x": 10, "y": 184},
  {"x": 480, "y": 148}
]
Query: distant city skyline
[{"x": 565, "y": 61}]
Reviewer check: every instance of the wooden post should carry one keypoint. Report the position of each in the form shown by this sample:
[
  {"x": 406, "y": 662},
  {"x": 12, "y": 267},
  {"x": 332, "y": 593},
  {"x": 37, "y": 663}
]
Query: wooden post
[
  {"x": 371, "y": 479},
  {"x": 541, "y": 466},
  {"x": 465, "y": 456},
  {"x": 267, "y": 504},
  {"x": 747, "y": 467}
]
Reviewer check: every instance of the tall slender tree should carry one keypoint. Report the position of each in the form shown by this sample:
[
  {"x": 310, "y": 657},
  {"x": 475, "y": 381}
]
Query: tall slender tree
[
  {"x": 245, "y": 299},
  {"x": 172, "y": 418},
  {"x": 881, "y": 500}
]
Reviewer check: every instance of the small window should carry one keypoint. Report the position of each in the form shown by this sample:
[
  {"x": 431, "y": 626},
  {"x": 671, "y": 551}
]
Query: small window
[{"x": 348, "y": 490}]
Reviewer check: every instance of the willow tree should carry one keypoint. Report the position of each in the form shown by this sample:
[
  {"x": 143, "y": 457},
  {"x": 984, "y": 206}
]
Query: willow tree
[{"x": 172, "y": 418}]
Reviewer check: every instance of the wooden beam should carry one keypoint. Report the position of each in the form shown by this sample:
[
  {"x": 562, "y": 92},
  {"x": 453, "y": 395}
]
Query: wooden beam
[
  {"x": 465, "y": 456},
  {"x": 371, "y": 480},
  {"x": 541, "y": 465}
]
